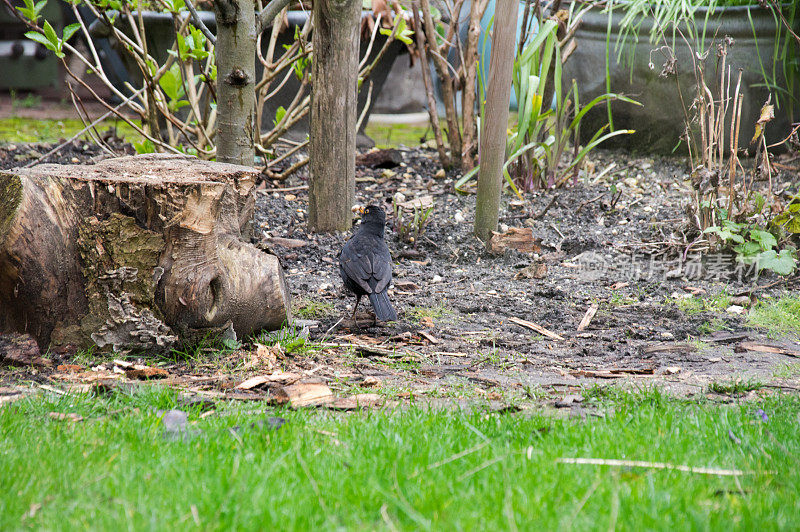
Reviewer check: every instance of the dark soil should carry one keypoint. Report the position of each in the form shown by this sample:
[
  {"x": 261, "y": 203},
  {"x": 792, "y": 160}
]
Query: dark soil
[{"x": 455, "y": 336}]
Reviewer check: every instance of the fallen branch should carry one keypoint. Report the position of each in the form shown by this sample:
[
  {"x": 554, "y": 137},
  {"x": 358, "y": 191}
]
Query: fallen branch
[{"x": 536, "y": 327}]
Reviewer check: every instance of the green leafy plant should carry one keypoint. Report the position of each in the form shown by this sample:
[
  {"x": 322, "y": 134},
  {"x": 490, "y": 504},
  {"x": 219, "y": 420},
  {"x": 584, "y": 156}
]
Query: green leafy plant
[
  {"x": 543, "y": 135},
  {"x": 755, "y": 246},
  {"x": 410, "y": 222}
]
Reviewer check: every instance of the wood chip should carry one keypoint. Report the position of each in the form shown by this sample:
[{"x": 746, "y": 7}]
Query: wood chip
[
  {"x": 144, "y": 373},
  {"x": 768, "y": 348},
  {"x": 303, "y": 394},
  {"x": 428, "y": 336},
  {"x": 536, "y": 327},
  {"x": 278, "y": 378},
  {"x": 587, "y": 318},
  {"x": 357, "y": 402},
  {"x": 537, "y": 270},
  {"x": 448, "y": 354},
  {"x": 519, "y": 238},
  {"x": 407, "y": 286}
]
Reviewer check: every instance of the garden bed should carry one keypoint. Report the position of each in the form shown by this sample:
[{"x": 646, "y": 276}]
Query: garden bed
[{"x": 459, "y": 335}]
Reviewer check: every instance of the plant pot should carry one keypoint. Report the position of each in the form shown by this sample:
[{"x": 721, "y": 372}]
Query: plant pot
[
  {"x": 659, "y": 122},
  {"x": 24, "y": 64},
  {"x": 161, "y": 35}
]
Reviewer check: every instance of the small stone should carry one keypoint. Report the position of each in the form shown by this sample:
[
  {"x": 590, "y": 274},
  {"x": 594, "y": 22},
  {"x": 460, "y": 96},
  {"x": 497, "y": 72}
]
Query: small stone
[
  {"x": 439, "y": 173},
  {"x": 371, "y": 381},
  {"x": 735, "y": 309},
  {"x": 742, "y": 301},
  {"x": 290, "y": 197},
  {"x": 459, "y": 217},
  {"x": 437, "y": 279},
  {"x": 672, "y": 370},
  {"x": 503, "y": 228},
  {"x": 666, "y": 335},
  {"x": 399, "y": 197}
]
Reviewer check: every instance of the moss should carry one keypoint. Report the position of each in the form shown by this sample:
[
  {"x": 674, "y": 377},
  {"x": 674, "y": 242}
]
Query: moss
[{"x": 10, "y": 198}]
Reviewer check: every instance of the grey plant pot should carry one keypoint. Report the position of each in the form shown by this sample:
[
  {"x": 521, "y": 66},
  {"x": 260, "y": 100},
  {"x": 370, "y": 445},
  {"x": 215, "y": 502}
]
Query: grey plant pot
[
  {"x": 659, "y": 123},
  {"x": 160, "y": 36}
]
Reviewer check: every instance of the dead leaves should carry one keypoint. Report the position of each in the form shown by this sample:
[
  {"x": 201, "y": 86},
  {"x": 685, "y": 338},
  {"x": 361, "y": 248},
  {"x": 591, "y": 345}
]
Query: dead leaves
[{"x": 519, "y": 238}]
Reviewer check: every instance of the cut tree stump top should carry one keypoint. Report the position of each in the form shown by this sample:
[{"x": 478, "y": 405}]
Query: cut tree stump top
[{"x": 155, "y": 168}]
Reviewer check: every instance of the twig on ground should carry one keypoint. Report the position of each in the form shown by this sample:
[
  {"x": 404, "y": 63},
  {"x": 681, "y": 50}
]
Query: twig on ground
[{"x": 654, "y": 465}]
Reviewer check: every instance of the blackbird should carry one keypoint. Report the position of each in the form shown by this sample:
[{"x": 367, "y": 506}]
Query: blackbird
[{"x": 366, "y": 265}]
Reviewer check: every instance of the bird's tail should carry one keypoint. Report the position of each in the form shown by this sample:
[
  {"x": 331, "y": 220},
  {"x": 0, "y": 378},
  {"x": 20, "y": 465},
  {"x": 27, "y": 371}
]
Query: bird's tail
[{"x": 383, "y": 307}]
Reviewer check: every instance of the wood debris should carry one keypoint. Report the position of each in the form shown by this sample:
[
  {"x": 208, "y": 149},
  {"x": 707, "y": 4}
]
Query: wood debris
[
  {"x": 777, "y": 349},
  {"x": 21, "y": 350},
  {"x": 587, "y": 318},
  {"x": 146, "y": 373},
  {"x": 519, "y": 238},
  {"x": 669, "y": 348},
  {"x": 537, "y": 270},
  {"x": 274, "y": 378},
  {"x": 303, "y": 394},
  {"x": 535, "y": 327},
  {"x": 357, "y": 402}
]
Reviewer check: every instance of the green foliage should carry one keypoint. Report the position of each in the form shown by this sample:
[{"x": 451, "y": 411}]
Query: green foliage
[
  {"x": 542, "y": 135},
  {"x": 31, "y": 11},
  {"x": 754, "y": 245},
  {"x": 410, "y": 227},
  {"x": 400, "y": 30},
  {"x": 789, "y": 219},
  {"x": 49, "y": 39},
  {"x": 735, "y": 387}
]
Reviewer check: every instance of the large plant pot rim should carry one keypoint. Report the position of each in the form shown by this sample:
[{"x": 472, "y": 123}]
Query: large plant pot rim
[
  {"x": 734, "y": 21},
  {"x": 294, "y": 18}
]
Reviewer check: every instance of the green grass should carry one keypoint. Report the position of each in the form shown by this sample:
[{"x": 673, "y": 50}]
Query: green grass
[
  {"x": 409, "y": 469},
  {"x": 779, "y": 317},
  {"x": 788, "y": 370},
  {"x": 418, "y": 313},
  {"x": 394, "y": 135},
  {"x": 19, "y": 130},
  {"x": 310, "y": 309},
  {"x": 735, "y": 387},
  {"x": 695, "y": 305}
]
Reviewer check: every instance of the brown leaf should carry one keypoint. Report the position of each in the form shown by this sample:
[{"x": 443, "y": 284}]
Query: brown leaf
[
  {"x": 146, "y": 373},
  {"x": 519, "y": 238},
  {"x": 537, "y": 270},
  {"x": 303, "y": 394},
  {"x": 767, "y": 114}
]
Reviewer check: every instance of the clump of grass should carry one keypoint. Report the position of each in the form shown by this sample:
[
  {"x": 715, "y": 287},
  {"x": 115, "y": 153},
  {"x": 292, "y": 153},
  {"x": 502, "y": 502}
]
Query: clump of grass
[
  {"x": 781, "y": 316},
  {"x": 735, "y": 387},
  {"x": 695, "y": 305},
  {"x": 419, "y": 313},
  {"x": 787, "y": 371},
  {"x": 716, "y": 324},
  {"x": 312, "y": 309}
]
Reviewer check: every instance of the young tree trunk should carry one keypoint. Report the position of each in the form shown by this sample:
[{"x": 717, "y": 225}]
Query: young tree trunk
[
  {"x": 236, "y": 98},
  {"x": 135, "y": 252},
  {"x": 495, "y": 123},
  {"x": 332, "y": 143},
  {"x": 477, "y": 8}
]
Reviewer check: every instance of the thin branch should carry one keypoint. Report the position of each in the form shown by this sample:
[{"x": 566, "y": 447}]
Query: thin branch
[
  {"x": 271, "y": 11},
  {"x": 199, "y": 23}
]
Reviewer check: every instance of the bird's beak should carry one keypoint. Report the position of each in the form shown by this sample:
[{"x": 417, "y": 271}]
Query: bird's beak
[{"x": 357, "y": 209}]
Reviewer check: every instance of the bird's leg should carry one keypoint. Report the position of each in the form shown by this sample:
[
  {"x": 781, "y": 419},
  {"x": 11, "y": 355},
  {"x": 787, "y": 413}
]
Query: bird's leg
[{"x": 358, "y": 299}]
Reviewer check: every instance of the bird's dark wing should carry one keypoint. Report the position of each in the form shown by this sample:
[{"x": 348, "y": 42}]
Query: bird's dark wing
[{"x": 366, "y": 261}]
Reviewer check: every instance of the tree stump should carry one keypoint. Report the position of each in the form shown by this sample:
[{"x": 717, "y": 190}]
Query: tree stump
[{"x": 135, "y": 252}]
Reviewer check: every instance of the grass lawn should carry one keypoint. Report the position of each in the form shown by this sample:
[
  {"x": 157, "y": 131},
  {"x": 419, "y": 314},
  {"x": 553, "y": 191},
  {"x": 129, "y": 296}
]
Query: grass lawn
[{"x": 411, "y": 468}]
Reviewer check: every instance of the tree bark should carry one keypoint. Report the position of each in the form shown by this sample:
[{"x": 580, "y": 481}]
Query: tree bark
[
  {"x": 236, "y": 99},
  {"x": 469, "y": 146},
  {"x": 135, "y": 252},
  {"x": 495, "y": 122},
  {"x": 332, "y": 143}
]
